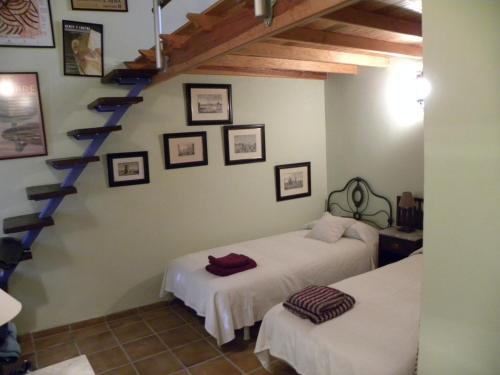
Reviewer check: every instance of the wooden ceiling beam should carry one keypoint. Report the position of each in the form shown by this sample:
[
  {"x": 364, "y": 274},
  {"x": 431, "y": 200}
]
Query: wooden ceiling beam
[
  {"x": 242, "y": 28},
  {"x": 204, "y": 21},
  {"x": 311, "y": 54},
  {"x": 301, "y": 34},
  {"x": 376, "y": 21},
  {"x": 284, "y": 64},
  {"x": 252, "y": 72}
]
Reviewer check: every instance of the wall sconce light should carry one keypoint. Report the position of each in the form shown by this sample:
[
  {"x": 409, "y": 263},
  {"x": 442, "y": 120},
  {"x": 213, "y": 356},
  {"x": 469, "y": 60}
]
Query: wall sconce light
[
  {"x": 264, "y": 9},
  {"x": 422, "y": 88}
]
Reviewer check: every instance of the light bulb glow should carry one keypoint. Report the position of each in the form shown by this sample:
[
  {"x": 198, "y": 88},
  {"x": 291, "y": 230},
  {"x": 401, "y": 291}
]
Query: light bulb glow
[{"x": 422, "y": 88}]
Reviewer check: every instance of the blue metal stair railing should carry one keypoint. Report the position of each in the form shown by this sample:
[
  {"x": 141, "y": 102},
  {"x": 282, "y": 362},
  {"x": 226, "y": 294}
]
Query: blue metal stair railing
[{"x": 92, "y": 148}]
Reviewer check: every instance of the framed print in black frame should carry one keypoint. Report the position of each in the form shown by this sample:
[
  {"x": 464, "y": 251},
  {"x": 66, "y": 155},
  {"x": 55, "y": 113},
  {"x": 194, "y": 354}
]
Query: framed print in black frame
[
  {"x": 83, "y": 49},
  {"x": 100, "y": 5},
  {"x": 185, "y": 149},
  {"x": 244, "y": 144},
  {"x": 26, "y": 24},
  {"x": 208, "y": 104},
  {"x": 128, "y": 168},
  {"x": 22, "y": 130},
  {"x": 293, "y": 181}
]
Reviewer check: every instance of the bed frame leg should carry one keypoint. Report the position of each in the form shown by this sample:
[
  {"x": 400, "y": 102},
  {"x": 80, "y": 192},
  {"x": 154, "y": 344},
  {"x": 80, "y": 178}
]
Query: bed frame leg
[{"x": 246, "y": 333}]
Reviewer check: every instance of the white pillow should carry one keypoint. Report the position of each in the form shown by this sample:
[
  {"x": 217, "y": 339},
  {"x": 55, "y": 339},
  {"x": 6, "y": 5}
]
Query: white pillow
[
  {"x": 362, "y": 231},
  {"x": 330, "y": 228}
]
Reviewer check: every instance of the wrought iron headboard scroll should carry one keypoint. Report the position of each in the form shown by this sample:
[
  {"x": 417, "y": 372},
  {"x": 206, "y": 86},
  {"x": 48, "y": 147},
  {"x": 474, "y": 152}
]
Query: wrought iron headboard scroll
[{"x": 357, "y": 198}]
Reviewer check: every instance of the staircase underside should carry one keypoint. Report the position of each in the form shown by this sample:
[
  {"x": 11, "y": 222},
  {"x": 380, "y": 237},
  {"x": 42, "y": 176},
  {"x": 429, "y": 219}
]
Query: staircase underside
[{"x": 307, "y": 39}]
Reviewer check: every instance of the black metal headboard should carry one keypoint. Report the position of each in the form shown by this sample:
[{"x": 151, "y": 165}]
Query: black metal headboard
[{"x": 356, "y": 202}]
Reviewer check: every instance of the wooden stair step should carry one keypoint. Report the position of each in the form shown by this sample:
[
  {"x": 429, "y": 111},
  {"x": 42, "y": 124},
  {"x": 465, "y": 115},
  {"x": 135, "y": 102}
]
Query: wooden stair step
[
  {"x": 24, "y": 223},
  {"x": 117, "y": 75},
  {"x": 66, "y": 163},
  {"x": 42, "y": 192},
  {"x": 11, "y": 252},
  {"x": 90, "y": 133},
  {"x": 109, "y": 104}
]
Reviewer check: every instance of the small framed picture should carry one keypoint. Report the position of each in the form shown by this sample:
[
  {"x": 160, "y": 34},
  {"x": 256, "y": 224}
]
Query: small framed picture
[
  {"x": 244, "y": 144},
  {"x": 293, "y": 181},
  {"x": 208, "y": 104},
  {"x": 26, "y": 24},
  {"x": 83, "y": 49},
  {"x": 100, "y": 5},
  {"x": 22, "y": 132},
  {"x": 185, "y": 149},
  {"x": 128, "y": 168}
]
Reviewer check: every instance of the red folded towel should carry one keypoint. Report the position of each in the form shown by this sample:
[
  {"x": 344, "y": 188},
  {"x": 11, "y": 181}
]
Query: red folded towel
[
  {"x": 230, "y": 260},
  {"x": 226, "y": 271},
  {"x": 319, "y": 303}
]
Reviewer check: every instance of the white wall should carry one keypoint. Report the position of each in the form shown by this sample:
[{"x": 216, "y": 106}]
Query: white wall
[
  {"x": 109, "y": 247},
  {"x": 460, "y": 327},
  {"x": 374, "y": 129}
]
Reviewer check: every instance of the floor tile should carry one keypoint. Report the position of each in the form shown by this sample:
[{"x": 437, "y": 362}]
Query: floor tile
[
  {"x": 200, "y": 328},
  {"x": 124, "y": 321},
  {"x": 56, "y": 354},
  {"x": 217, "y": 366},
  {"x": 163, "y": 323},
  {"x": 53, "y": 340},
  {"x": 195, "y": 352},
  {"x": 189, "y": 315},
  {"x": 161, "y": 364},
  {"x": 179, "y": 336},
  {"x": 107, "y": 360},
  {"x": 245, "y": 359},
  {"x": 97, "y": 343},
  {"x": 161, "y": 311},
  {"x": 144, "y": 347},
  {"x": 89, "y": 331},
  {"x": 132, "y": 331},
  {"x": 125, "y": 370}
]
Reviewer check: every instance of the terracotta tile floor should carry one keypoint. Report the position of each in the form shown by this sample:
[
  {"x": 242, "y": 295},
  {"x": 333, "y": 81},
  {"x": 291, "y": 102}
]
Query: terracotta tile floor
[{"x": 156, "y": 340}]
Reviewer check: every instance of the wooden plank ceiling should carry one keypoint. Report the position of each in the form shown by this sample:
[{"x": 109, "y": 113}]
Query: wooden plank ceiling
[{"x": 307, "y": 39}]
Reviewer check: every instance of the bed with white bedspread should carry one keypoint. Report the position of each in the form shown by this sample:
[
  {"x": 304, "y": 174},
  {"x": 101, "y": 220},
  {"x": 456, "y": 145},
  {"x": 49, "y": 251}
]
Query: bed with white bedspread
[
  {"x": 286, "y": 263},
  {"x": 378, "y": 336}
]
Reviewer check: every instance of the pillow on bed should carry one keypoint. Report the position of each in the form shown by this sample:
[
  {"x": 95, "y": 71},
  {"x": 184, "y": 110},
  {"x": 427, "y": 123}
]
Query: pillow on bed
[
  {"x": 362, "y": 231},
  {"x": 330, "y": 228}
]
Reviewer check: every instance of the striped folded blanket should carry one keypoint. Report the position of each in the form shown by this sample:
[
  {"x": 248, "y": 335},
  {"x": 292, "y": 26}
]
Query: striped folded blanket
[{"x": 319, "y": 303}]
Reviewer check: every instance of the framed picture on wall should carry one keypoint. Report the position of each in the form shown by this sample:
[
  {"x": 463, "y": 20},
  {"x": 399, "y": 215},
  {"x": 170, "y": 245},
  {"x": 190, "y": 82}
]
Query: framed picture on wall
[
  {"x": 83, "y": 49},
  {"x": 26, "y": 24},
  {"x": 22, "y": 132},
  {"x": 208, "y": 104},
  {"x": 185, "y": 149},
  {"x": 128, "y": 168},
  {"x": 100, "y": 5},
  {"x": 293, "y": 181},
  {"x": 244, "y": 144}
]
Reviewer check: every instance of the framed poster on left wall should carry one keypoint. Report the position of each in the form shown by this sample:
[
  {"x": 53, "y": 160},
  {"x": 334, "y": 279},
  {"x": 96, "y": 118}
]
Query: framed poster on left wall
[
  {"x": 22, "y": 132},
  {"x": 26, "y": 24},
  {"x": 83, "y": 49}
]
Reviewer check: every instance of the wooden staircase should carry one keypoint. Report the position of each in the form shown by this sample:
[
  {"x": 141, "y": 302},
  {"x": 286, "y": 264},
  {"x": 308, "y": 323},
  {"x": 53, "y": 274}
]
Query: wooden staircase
[{"x": 34, "y": 223}]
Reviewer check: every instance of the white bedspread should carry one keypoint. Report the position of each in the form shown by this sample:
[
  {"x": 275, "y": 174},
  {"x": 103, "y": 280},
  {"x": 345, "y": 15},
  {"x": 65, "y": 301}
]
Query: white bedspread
[
  {"x": 378, "y": 336},
  {"x": 286, "y": 263}
]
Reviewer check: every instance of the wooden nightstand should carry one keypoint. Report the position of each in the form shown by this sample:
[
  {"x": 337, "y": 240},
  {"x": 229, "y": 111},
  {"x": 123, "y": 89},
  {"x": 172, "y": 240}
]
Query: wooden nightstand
[{"x": 395, "y": 245}]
